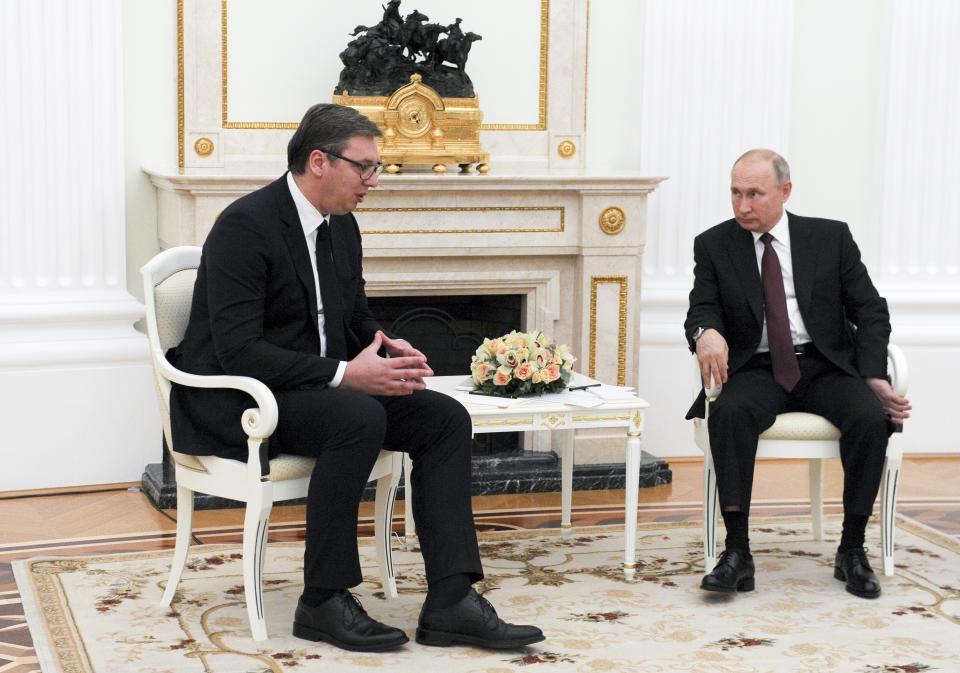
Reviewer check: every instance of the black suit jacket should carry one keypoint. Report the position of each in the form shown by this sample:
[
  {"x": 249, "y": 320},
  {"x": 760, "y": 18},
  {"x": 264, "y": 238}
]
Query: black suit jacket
[
  {"x": 846, "y": 318},
  {"x": 254, "y": 313}
]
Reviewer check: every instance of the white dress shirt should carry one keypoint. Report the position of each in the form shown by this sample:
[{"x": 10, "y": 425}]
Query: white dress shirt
[
  {"x": 310, "y": 220},
  {"x": 781, "y": 244}
]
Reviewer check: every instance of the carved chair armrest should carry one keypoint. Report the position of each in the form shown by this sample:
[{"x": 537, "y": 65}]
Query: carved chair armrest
[{"x": 899, "y": 373}]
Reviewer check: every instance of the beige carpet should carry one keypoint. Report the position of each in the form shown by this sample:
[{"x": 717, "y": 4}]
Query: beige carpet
[{"x": 100, "y": 613}]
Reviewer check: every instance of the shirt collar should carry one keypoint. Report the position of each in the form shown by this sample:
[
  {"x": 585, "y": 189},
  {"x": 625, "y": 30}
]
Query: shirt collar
[
  {"x": 780, "y": 231},
  {"x": 310, "y": 217}
]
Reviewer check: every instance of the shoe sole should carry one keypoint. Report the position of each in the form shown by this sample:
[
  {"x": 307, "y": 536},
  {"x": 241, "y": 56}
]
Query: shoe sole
[
  {"x": 307, "y": 633},
  {"x": 746, "y": 584},
  {"x": 842, "y": 576},
  {"x": 444, "y": 639}
]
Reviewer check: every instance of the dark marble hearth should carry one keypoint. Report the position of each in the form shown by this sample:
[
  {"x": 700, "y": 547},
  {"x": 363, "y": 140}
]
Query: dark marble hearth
[{"x": 516, "y": 472}]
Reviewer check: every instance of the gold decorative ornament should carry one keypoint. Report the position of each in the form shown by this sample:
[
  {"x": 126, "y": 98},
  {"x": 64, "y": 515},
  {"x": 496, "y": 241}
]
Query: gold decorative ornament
[
  {"x": 612, "y": 221},
  {"x": 595, "y": 282},
  {"x": 553, "y": 421},
  {"x": 181, "y": 115},
  {"x": 508, "y": 421},
  {"x": 566, "y": 149},
  {"x": 590, "y": 419},
  {"x": 203, "y": 147},
  {"x": 422, "y": 128}
]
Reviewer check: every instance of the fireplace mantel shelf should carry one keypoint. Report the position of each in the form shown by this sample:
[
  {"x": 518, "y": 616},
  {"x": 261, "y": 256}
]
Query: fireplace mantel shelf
[{"x": 421, "y": 181}]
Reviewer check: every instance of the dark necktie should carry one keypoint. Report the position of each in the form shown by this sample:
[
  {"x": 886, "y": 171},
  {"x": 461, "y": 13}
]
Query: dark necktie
[
  {"x": 333, "y": 325},
  {"x": 786, "y": 369}
]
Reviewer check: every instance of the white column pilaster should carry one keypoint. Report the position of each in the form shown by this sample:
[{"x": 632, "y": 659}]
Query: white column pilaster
[
  {"x": 74, "y": 373},
  {"x": 920, "y": 239}
]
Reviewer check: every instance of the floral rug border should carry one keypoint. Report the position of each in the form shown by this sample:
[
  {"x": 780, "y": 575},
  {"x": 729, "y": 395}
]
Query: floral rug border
[{"x": 59, "y": 647}]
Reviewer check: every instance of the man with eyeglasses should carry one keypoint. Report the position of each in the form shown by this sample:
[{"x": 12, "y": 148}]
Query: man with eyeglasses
[{"x": 279, "y": 296}]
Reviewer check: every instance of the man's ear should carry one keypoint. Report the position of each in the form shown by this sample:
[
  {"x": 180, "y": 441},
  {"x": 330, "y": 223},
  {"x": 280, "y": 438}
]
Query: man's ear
[
  {"x": 786, "y": 189},
  {"x": 317, "y": 163}
]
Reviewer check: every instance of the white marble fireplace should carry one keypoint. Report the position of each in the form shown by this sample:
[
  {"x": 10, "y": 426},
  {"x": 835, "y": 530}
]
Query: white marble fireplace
[{"x": 571, "y": 245}]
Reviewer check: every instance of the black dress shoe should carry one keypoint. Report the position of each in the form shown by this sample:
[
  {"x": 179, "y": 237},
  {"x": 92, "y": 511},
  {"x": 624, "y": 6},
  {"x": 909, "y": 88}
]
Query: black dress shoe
[
  {"x": 341, "y": 620},
  {"x": 733, "y": 572},
  {"x": 472, "y": 621},
  {"x": 851, "y": 566}
]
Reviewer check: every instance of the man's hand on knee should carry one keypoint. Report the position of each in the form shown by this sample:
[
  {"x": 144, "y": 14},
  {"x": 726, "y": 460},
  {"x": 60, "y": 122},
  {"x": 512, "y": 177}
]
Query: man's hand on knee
[
  {"x": 369, "y": 373},
  {"x": 712, "y": 353},
  {"x": 897, "y": 406}
]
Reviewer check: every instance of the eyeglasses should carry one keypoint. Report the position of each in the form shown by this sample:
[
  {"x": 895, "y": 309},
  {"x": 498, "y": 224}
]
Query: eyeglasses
[{"x": 367, "y": 171}]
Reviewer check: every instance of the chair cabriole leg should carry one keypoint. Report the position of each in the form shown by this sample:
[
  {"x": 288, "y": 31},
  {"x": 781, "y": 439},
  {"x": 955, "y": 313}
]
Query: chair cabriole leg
[
  {"x": 184, "y": 531},
  {"x": 816, "y": 498},
  {"x": 256, "y": 521},
  {"x": 409, "y": 525},
  {"x": 709, "y": 512},
  {"x": 383, "y": 527},
  {"x": 891, "y": 478}
]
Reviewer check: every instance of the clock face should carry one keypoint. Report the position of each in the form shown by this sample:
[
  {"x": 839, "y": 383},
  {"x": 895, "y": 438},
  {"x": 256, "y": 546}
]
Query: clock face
[{"x": 415, "y": 116}]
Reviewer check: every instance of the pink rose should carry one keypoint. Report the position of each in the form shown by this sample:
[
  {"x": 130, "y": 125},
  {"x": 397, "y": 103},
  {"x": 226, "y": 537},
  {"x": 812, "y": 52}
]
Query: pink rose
[
  {"x": 501, "y": 379},
  {"x": 551, "y": 373},
  {"x": 523, "y": 371}
]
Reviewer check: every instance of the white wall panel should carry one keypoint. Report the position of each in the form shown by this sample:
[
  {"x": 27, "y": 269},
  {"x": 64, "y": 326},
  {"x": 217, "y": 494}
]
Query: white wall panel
[
  {"x": 66, "y": 319},
  {"x": 920, "y": 243},
  {"x": 715, "y": 83}
]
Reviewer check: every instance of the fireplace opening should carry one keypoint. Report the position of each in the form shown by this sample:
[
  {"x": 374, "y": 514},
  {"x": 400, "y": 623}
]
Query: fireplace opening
[{"x": 448, "y": 329}]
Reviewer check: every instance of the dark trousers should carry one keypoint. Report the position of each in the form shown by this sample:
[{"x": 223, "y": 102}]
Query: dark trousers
[
  {"x": 750, "y": 402},
  {"x": 345, "y": 431}
]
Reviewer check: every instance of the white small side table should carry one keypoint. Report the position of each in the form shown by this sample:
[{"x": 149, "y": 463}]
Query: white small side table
[{"x": 535, "y": 414}]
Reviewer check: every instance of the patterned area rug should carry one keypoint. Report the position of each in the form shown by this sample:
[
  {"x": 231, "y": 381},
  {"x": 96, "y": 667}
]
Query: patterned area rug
[{"x": 100, "y": 613}]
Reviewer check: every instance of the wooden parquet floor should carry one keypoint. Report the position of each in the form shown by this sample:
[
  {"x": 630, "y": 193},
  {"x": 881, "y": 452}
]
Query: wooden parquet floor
[{"x": 119, "y": 518}]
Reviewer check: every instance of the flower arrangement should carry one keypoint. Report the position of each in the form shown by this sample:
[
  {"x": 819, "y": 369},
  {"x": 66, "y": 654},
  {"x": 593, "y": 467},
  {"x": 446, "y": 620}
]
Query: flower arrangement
[{"x": 521, "y": 363}]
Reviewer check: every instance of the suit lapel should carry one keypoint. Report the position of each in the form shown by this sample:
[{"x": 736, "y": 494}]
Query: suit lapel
[
  {"x": 297, "y": 244},
  {"x": 803, "y": 256},
  {"x": 743, "y": 258}
]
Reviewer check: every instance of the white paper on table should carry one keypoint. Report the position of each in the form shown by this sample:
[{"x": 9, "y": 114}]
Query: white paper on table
[
  {"x": 574, "y": 398},
  {"x": 608, "y": 393},
  {"x": 466, "y": 399}
]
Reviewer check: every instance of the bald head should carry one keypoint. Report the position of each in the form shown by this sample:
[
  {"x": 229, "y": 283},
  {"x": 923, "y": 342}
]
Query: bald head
[{"x": 781, "y": 169}]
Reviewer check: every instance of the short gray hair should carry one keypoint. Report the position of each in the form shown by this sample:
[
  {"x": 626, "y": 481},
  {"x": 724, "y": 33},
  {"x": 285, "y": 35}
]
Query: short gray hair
[
  {"x": 326, "y": 126},
  {"x": 781, "y": 169}
]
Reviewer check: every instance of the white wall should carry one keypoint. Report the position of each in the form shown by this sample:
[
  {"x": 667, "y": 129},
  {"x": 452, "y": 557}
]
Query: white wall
[{"x": 150, "y": 132}]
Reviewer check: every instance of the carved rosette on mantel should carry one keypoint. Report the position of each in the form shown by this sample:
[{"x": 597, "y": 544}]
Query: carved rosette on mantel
[{"x": 421, "y": 127}]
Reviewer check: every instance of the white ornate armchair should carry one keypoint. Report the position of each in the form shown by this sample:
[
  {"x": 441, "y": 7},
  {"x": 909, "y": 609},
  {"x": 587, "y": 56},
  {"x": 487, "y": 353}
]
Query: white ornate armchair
[
  {"x": 803, "y": 435},
  {"x": 168, "y": 281}
]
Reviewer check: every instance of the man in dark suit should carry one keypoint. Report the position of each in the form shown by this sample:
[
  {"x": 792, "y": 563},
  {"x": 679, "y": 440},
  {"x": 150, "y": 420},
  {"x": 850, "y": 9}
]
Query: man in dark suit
[
  {"x": 279, "y": 297},
  {"x": 784, "y": 316}
]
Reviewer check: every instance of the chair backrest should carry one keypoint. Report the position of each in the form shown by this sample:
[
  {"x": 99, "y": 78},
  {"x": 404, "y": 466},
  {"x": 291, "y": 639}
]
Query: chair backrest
[{"x": 168, "y": 281}]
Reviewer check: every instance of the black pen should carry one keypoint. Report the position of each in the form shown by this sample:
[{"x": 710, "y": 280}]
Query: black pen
[
  {"x": 589, "y": 385},
  {"x": 478, "y": 392}
]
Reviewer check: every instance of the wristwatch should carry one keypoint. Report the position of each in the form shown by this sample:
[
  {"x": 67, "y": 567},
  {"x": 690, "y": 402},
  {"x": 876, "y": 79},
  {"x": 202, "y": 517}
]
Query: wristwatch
[{"x": 697, "y": 333}]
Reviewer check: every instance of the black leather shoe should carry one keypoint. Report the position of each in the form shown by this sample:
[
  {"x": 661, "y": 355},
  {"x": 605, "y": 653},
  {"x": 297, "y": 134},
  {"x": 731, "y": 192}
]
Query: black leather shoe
[
  {"x": 341, "y": 620},
  {"x": 472, "y": 621},
  {"x": 733, "y": 572},
  {"x": 851, "y": 566}
]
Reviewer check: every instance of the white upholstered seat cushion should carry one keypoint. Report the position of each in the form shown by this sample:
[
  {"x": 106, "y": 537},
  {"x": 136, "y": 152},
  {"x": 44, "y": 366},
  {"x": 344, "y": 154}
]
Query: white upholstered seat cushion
[
  {"x": 287, "y": 466},
  {"x": 797, "y": 425}
]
